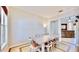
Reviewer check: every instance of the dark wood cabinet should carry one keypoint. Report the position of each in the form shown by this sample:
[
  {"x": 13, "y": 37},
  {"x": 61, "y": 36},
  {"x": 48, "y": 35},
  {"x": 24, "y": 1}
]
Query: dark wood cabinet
[{"x": 67, "y": 34}]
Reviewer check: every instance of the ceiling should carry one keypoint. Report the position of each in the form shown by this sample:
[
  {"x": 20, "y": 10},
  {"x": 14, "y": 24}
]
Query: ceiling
[{"x": 47, "y": 11}]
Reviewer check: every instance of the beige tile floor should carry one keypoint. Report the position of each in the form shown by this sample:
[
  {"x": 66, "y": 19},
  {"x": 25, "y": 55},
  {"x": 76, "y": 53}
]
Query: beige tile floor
[
  {"x": 15, "y": 49},
  {"x": 27, "y": 49},
  {"x": 60, "y": 48}
]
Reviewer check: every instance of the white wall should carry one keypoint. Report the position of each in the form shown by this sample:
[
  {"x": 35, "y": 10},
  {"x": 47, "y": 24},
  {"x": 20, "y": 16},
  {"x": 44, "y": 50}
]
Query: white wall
[{"x": 23, "y": 25}]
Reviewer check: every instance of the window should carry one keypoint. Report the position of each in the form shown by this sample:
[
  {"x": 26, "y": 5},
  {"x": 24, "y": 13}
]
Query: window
[{"x": 3, "y": 27}]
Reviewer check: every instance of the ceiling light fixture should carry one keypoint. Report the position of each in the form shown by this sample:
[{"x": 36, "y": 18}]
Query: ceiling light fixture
[{"x": 60, "y": 11}]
